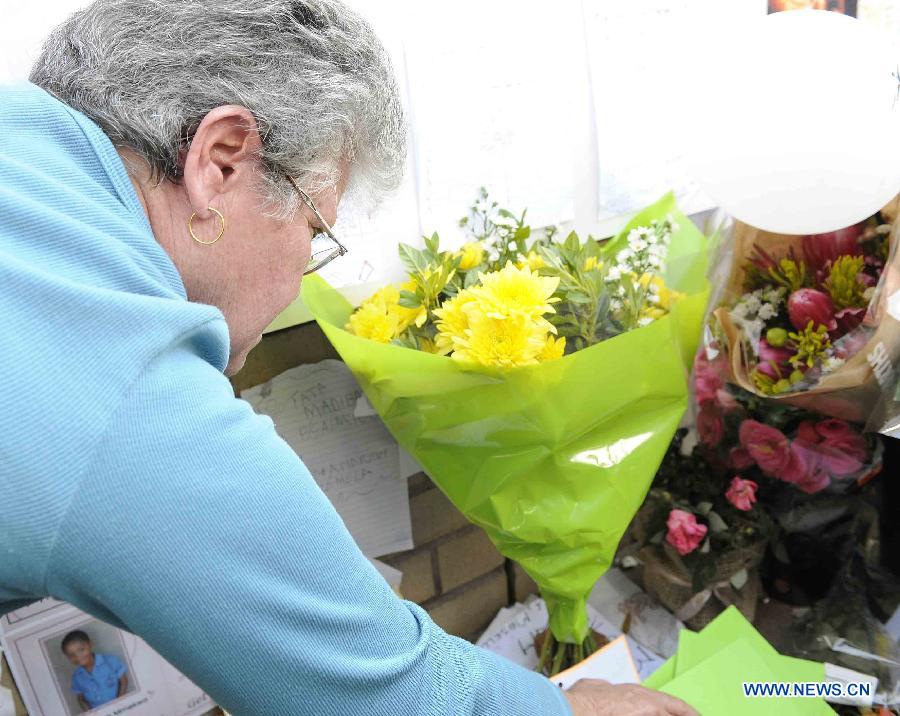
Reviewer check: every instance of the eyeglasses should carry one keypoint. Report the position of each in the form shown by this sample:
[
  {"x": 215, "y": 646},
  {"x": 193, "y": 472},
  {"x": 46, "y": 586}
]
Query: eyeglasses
[{"x": 325, "y": 246}]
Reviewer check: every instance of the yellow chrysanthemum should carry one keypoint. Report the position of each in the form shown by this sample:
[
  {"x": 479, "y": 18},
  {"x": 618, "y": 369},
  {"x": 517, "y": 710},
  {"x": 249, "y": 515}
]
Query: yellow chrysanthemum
[
  {"x": 374, "y": 321},
  {"x": 554, "y": 348},
  {"x": 593, "y": 264},
  {"x": 472, "y": 255},
  {"x": 515, "y": 291},
  {"x": 534, "y": 261},
  {"x": 452, "y": 321},
  {"x": 508, "y": 342}
]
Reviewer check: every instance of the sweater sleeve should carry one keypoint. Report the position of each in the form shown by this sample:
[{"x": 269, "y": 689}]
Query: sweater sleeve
[{"x": 198, "y": 529}]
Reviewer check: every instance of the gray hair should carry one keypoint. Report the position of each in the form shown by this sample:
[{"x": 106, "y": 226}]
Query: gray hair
[{"x": 312, "y": 72}]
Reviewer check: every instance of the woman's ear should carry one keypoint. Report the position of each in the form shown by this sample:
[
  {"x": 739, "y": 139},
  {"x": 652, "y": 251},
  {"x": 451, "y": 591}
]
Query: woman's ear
[{"x": 221, "y": 158}]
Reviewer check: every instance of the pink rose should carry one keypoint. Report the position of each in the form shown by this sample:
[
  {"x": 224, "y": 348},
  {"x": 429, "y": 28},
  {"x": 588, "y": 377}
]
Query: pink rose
[
  {"x": 808, "y": 304},
  {"x": 767, "y": 446},
  {"x": 821, "y": 249},
  {"x": 774, "y": 362},
  {"x": 710, "y": 427},
  {"x": 742, "y": 494},
  {"x": 740, "y": 459},
  {"x": 685, "y": 533}
]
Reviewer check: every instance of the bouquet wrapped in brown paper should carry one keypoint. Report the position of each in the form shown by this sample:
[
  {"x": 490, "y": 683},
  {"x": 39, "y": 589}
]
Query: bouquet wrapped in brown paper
[{"x": 807, "y": 320}]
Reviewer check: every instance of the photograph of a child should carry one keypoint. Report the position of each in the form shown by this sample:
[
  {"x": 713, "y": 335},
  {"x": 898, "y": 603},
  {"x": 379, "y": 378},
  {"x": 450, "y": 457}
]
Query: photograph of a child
[{"x": 90, "y": 666}]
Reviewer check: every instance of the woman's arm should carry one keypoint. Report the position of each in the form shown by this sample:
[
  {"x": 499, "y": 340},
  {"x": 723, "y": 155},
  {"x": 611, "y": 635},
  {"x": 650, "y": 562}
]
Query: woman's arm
[{"x": 198, "y": 529}]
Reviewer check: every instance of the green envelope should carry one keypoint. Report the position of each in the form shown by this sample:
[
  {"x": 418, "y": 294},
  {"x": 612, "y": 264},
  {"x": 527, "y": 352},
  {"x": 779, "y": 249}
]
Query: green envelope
[
  {"x": 553, "y": 460},
  {"x": 710, "y": 667}
]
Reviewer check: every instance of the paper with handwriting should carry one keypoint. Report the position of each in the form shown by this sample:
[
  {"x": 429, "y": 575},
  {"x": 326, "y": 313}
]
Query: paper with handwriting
[{"x": 354, "y": 460}]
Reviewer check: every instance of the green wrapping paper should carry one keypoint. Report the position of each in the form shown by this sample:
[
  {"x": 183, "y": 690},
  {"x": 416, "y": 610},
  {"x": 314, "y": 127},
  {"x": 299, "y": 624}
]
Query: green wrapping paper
[{"x": 552, "y": 460}]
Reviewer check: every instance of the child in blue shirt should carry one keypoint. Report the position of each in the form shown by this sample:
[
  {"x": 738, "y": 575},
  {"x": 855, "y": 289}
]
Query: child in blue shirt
[{"x": 98, "y": 678}]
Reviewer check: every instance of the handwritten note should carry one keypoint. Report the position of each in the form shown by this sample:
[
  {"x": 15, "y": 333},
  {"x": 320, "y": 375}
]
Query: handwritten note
[
  {"x": 617, "y": 599},
  {"x": 490, "y": 87},
  {"x": 353, "y": 459},
  {"x": 641, "y": 57},
  {"x": 511, "y": 634}
]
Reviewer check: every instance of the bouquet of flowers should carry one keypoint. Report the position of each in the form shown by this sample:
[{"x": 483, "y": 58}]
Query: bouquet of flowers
[
  {"x": 805, "y": 320},
  {"x": 702, "y": 537},
  {"x": 537, "y": 381},
  {"x": 743, "y": 433}
]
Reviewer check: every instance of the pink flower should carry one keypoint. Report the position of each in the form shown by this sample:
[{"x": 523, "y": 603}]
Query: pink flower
[
  {"x": 808, "y": 304},
  {"x": 821, "y": 249},
  {"x": 831, "y": 446},
  {"x": 798, "y": 465},
  {"x": 685, "y": 533},
  {"x": 726, "y": 400},
  {"x": 742, "y": 494},
  {"x": 740, "y": 459},
  {"x": 707, "y": 381},
  {"x": 808, "y": 474},
  {"x": 774, "y": 362},
  {"x": 806, "y": 432},
  {"x": 710, "y": 427},
  {"x": 841, "y": 435},
  {"x": 767, "y": 446}
]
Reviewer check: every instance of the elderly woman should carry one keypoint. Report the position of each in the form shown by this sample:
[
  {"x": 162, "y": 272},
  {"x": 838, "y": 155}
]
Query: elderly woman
[{"x": 162, "y": 182}]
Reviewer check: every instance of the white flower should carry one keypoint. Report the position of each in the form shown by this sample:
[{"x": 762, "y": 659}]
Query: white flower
[
  {"x": 755, "y": 327},
  {"x": 767, "y": 311},
  {"x": 621, "y": 291},
  {"x": 752, "y": 303},
  {"x": 739, "y": 312},
  {"x": 653, "y": 298},
  {"x": 645, "y": 321},
  {"x": 615, "y": 273},
  {"x": 832, "y": 363}
]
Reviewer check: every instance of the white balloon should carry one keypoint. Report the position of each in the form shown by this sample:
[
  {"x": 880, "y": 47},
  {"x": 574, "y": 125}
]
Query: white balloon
[{"x": 803, "y": 132}]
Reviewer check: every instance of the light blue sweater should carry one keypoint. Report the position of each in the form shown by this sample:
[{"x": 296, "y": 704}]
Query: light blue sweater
[{"x": 135, "y": 486}]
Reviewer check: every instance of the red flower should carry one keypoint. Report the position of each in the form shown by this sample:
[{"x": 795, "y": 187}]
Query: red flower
[
  {"x": 685, "y": 533},
  {"x": 808, "y": 304},
  {"x": 767, "y": 446},
  {"x": 710, "y": 427},
  {"x": 742, "y": 494},
  {"x": 821, "y": 249},
  {"x": 740, "y": 459},
  {"x": 849, "y": 318}
]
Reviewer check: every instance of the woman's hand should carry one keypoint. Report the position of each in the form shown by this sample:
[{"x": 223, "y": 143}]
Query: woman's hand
[{"x": 591, "y": 697}]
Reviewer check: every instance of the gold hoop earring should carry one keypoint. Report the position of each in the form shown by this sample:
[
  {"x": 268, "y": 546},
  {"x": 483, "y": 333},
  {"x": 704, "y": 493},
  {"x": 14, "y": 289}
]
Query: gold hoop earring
[{"x": 218, "y": 236}]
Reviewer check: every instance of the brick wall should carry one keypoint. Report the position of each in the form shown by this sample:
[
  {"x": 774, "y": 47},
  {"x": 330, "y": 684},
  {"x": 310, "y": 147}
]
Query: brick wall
[{"x": 454, "y": 572}]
